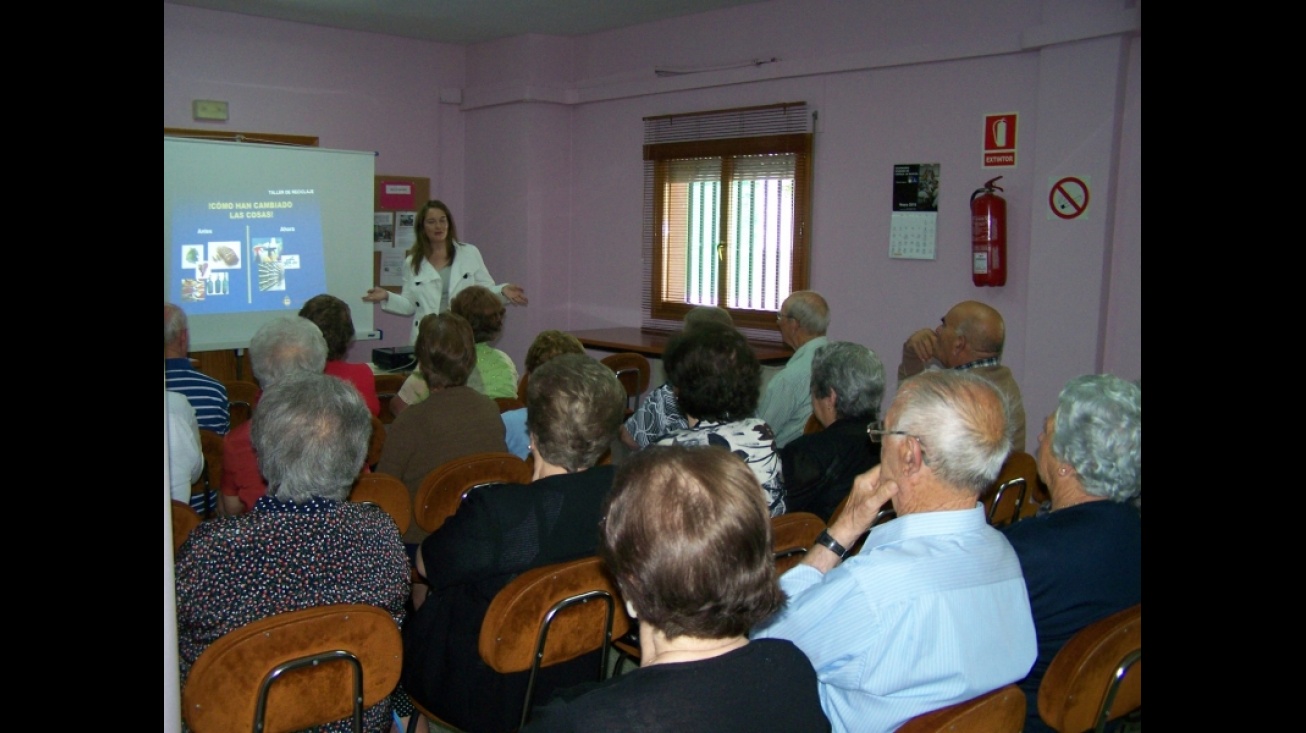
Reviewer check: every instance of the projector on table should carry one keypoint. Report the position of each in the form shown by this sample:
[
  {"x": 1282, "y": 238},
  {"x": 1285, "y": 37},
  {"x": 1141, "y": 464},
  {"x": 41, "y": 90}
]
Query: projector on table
[{"x": 394, "y": 358}]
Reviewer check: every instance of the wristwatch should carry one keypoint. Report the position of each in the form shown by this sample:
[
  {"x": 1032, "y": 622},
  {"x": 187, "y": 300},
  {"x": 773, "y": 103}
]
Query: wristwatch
[{"x": 832, "y": 544}]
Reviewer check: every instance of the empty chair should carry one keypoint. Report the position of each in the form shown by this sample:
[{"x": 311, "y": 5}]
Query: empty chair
[
  {"x": 387, "y": 492},
  {"x": 634, "y": 372},
  {"x": 1000, "y": 711},
  {"x": 1097, "y": 676},
  {"x": 295, "y": 670},
  {"x": 443, "y": 488}
]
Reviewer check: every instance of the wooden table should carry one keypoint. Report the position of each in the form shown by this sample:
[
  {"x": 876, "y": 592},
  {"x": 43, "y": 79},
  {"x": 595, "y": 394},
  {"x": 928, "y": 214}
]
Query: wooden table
[{"x": 651, "y": 343}]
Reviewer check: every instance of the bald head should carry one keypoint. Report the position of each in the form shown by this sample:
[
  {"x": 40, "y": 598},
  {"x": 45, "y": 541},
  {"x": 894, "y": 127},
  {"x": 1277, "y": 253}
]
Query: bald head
[{"x": 970, "y": 331}]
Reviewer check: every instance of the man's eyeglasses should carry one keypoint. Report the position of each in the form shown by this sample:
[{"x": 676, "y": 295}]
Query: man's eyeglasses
[{"x": 876, "y": 432}]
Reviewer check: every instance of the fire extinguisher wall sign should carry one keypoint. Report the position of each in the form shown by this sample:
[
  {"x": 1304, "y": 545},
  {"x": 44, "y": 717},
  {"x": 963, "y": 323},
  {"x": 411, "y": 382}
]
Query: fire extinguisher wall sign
[{"x": 988, "y": 216}]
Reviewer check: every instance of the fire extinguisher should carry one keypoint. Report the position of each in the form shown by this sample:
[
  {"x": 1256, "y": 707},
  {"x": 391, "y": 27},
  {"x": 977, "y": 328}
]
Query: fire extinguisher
[{"x": 988, "y": 247}]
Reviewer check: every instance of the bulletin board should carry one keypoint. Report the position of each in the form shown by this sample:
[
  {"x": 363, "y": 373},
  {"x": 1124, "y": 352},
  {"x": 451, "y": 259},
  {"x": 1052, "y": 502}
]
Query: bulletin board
[{"x": 394, "y": 195}]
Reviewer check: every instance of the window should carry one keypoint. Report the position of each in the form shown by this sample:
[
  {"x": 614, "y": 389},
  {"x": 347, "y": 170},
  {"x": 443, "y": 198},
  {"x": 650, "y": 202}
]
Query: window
[{"x": 726, "y": 206}]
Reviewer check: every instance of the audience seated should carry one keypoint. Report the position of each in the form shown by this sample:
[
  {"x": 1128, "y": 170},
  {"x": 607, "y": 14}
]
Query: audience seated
[
  {"x": 657, "y": 414},
  {"x": 786, "y": 403},
  {"x": 547, "y": 344},
  {"x": 205, "y": 394},
  {"x": 286, "y": 347},
  {"x": 716, "y": 377},
  {"x": 454, "y": 421},
  {"x": 332, "y": 317},
  {"x": 302, "y": 545},
  {"x": 687, "y": 537},
  {"x": 574, "y": 408},
  {"x": 933, "y": 610},
  {"x": 1083, "y": 560},
  {"x": 847, "y": 386}
]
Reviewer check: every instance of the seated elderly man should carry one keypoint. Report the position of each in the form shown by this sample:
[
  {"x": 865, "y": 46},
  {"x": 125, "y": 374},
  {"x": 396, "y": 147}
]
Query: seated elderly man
[
  {"x": 281, "y": 348},
  {"x": 847, "y": 386},
  {"x": 302, "y": 545},
  {"x": 933, "y": 611},
  {"x": 1083, "y": 561}
]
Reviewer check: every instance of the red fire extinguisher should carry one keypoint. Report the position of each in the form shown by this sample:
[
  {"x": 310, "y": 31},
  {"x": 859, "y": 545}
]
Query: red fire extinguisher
[{"x": 988, "y": 247}]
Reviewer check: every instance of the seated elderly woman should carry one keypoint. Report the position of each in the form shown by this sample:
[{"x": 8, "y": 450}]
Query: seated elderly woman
[
  {"x": 495, "y": 374},
  {"x": 455, "y": 421},
  {"x": 547, "y": 344},
  {"x": 333, "y": 318},
  {"x": 717, "y": 378},
  {"x": 302, "y": 544},
  {"x": 1083, "y": 560},
  {"x": 574, "y": 408},
  {"x": 687, "y": 537},
  {"x": 819, "y": 468}
]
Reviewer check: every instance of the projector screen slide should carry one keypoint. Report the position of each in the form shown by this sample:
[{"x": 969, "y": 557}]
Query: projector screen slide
[{"x": 253, "y": 231}]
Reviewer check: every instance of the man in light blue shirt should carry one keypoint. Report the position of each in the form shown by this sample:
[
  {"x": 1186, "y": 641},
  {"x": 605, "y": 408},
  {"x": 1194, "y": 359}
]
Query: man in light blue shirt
[
  {"x": 786, "y": 402},
  {"x": 933, "y": 610}
]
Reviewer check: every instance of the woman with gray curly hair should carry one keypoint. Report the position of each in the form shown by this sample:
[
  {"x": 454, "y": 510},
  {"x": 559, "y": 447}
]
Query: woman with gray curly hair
[{"x": 1083, "y": 559}]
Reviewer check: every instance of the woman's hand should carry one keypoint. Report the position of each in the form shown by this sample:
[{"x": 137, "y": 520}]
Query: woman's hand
[
  {"x": 515, "y": 294},
  {"x": 376, "y": 295}
]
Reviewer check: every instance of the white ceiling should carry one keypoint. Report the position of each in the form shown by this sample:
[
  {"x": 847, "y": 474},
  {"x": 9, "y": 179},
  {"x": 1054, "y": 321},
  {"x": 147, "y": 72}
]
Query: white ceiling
[{"x": 468, "y": 21}]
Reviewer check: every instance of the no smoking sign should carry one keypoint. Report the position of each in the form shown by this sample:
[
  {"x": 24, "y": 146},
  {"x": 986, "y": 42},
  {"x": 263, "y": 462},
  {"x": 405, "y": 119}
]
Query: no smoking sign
[{"x": 1069, "y": 197}]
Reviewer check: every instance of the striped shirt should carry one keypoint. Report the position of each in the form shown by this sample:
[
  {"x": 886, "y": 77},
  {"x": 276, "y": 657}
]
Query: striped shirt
[
  {"x": 933, "y": 611},
  {"x": 205, "y": 394}
]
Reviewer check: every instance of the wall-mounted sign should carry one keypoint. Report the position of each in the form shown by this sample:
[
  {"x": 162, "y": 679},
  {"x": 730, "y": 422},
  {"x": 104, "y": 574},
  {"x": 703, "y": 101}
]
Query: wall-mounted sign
[{"x": 1000, "y": 140}]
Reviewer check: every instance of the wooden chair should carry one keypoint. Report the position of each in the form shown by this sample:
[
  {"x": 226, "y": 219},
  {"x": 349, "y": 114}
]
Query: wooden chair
[
  {"x": 547, "y": 616},
  {"x": 210, "y": 480},
  {"x": 387, "y": 386},
  {"x": 1097, "y": 676},
  {"x": 387, "y": 492},
  {"x": 241, "y": 396},
  {"x": 813, "y": 425},
  {"x": 509, "y": 403},
  {"x": 1000, "y": 711},
  {"x": 184, "y": 519},
  {"x": 792, "y": 535},
  {"x": 443, "y": 489},
  {"x": 521, "y": 387},
  {"x": 1012, "y": 496},
  {"x": 295, "y": 670},
  {"x": 634, "y": 373},
  {"x": 375, "y": 443}
]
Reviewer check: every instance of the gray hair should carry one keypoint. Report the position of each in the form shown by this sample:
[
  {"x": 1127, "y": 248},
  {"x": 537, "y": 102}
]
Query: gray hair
[
  {"x": 311, "y": 433},
  {"x": 963, "y": 423},
  {"x": 1099, "y": 432},
  {"x": 574, "y": 408},
  {"x": 174, "y": 322},
  {"x": 286, "y": 346},
  {"x": 810, "y": 310},
  {"x": 855, "y": 374}
]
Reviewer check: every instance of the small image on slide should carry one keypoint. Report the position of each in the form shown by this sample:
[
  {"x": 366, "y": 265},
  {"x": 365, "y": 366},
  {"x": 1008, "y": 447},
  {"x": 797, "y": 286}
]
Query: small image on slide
[
  {"x": 192, "y": 291},
  {"x": 290, "y": 262},
  {"x": 224, "y": 255},
  {"x": 192, "y": 255},
  {"x": 219, "y": 283},
  {"x": 271, "y": 270}
]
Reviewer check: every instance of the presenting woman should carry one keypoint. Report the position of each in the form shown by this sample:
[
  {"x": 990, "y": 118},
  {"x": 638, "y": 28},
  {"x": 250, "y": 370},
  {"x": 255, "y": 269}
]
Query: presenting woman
[
  {"x": 574, "y": 408},
  {"x": 438, "y": 267},
  {"x": 687, "y": 537},
  {"x": 333, "y": 319},
  {"x": 1083, "y": 560}
]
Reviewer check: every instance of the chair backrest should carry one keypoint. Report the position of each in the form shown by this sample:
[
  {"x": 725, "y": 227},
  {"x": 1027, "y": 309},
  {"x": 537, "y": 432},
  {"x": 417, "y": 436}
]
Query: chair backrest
[
  {"x": 508, "y": 403},
  {"x": 521, "y": 387},
  {"x": 443, "y": 489},
  {"x": 376, "y": 443},
  {"x": 551, "y": 615},
  {"x": 210, "y": 480},
  {"x": 792, "y": 535},
  {"x": 387, "y": 492},
  {"x": 634, "y": 373},
  {"x": 387, "y": 386},
  {"x": 295, "y": 670},
  {"x": 241, "y": 396},
  {"x": 999, "y": 711},
  {"x": 813, "y": 425},
  {"x": 1097, "y": 676},
  {"x": 184, "y": 519},
  {"x": 1011, "y": 497}
]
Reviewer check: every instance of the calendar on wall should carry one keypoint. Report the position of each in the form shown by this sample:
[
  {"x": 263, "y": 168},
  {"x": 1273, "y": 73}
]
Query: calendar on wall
[{"x": 915, "y": 211}]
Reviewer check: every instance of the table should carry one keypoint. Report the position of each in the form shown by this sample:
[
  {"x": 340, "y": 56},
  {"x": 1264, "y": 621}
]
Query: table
[{"x": 652, "y": 343}]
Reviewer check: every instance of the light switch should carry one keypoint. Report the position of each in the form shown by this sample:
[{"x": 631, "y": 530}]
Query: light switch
[{"x": 210, "y": 109}]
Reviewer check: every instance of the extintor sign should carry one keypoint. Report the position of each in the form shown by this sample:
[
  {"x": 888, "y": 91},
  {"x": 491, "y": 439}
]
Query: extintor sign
[{"x": 1000, "y": 140}]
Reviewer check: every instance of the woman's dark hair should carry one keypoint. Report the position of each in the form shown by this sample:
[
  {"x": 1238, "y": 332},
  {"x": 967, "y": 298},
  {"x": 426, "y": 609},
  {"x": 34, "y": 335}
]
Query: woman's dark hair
[
  {"x": 687, "y": 535},
  {"x": 446, "y": 353},
  {"x": 421, "y": 248},
  {"x": 715, "y": 372},
  {"x": 334, "y": 320},
  {"x": 482, "y": 309}
]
